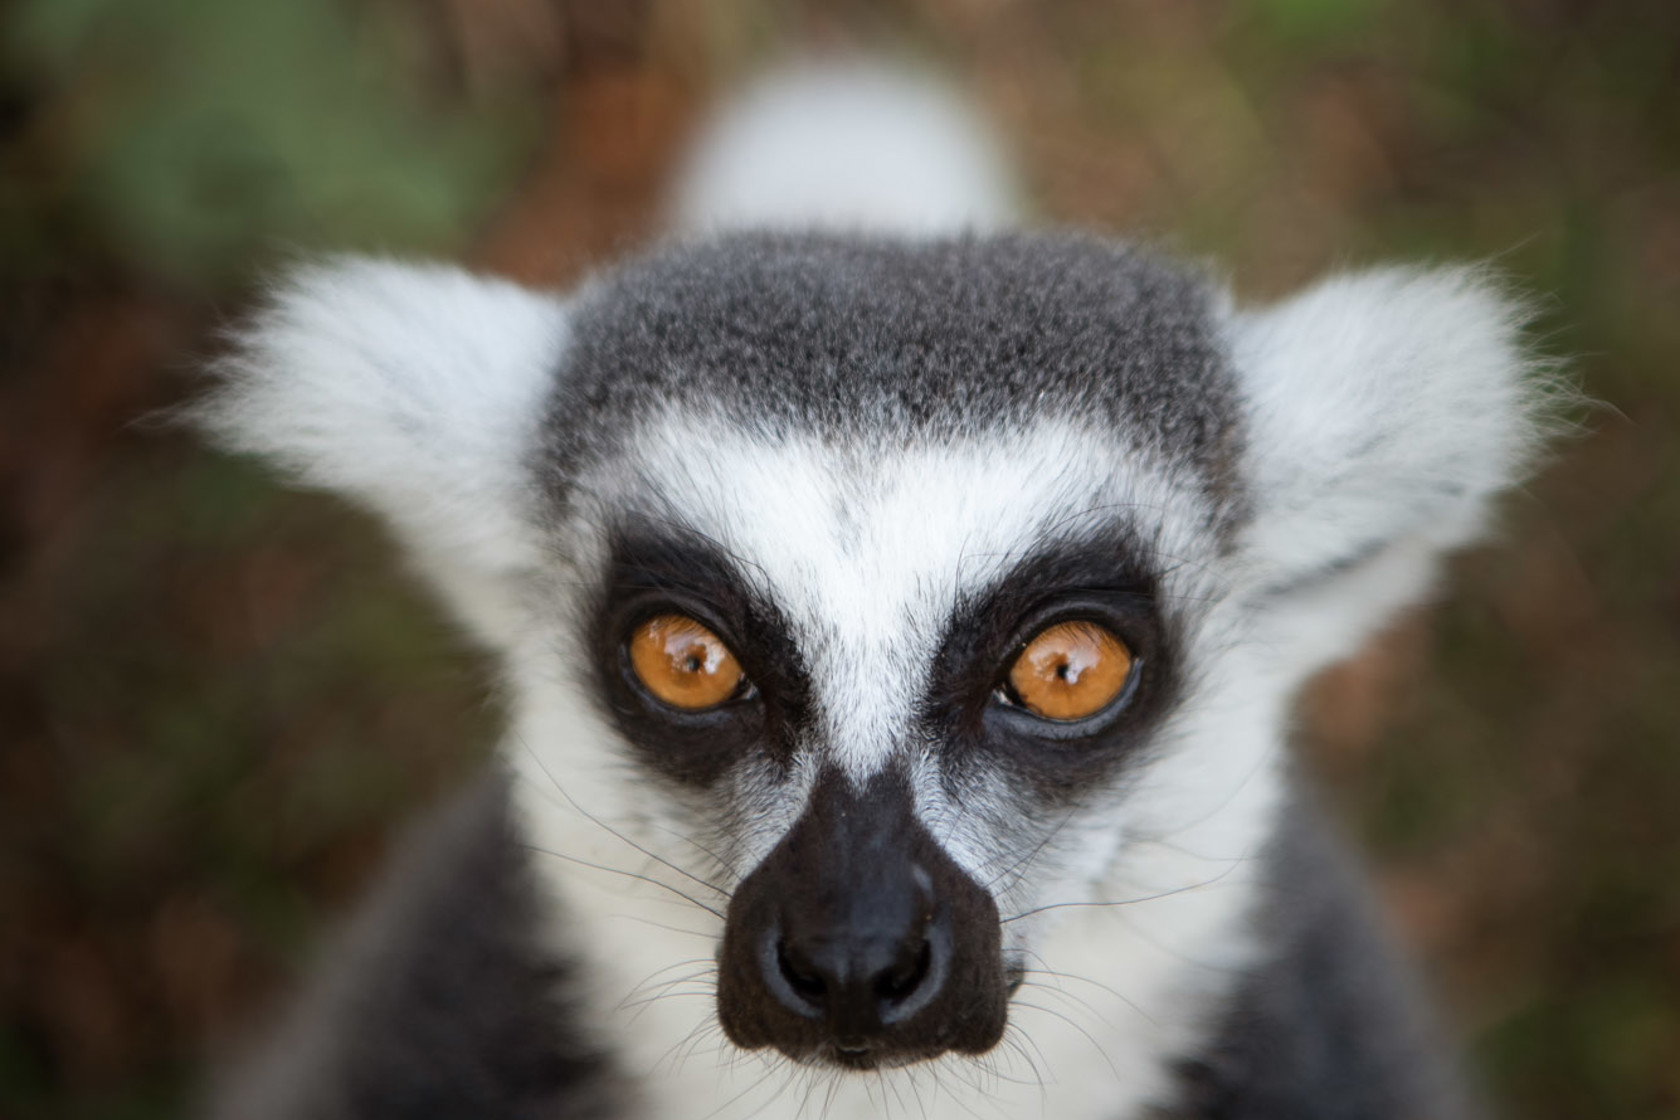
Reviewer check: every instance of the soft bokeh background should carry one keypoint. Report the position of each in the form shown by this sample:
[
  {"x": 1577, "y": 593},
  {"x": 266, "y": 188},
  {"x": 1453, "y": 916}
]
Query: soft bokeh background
[{"x": 218, "y": 697}]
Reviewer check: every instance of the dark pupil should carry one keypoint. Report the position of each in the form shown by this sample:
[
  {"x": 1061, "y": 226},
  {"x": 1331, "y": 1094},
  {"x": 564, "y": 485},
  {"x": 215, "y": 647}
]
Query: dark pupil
[
  {"x": 1062, "y": 669},
  {"x": 693, "y": 663}
]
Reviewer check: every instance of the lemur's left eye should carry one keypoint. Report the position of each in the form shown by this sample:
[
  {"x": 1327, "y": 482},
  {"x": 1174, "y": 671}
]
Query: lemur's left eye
[
  {"x": 683, "y": 663},
  {"x": 1070, "y": 671}
]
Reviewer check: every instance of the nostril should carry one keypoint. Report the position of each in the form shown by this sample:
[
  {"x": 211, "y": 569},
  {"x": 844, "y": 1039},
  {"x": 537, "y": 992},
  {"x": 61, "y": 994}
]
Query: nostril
[
  {"x": 800, "y": 975},
  {"x": 906, "y": 975}
]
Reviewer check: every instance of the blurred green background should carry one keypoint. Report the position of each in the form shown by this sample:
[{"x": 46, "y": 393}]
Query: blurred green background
[{"x": 217, "y": 697}]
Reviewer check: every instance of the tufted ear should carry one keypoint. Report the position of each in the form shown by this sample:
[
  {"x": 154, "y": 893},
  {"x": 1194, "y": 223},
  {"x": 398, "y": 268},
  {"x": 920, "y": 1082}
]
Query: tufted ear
[
  {"x": 1385, "y": 409},
  {"x": 415, "y": 391}
]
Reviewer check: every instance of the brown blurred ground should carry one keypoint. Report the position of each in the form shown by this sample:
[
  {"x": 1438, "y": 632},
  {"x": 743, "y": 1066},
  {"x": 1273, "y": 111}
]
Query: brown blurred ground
[{"x": 217, "y": 697}]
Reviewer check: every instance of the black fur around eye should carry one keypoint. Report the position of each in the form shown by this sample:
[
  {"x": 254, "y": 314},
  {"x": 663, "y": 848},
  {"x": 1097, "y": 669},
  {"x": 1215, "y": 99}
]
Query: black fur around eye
[
  {"x": 1076, "y": 717},
  {"x": 693, "y": 726},
  {"x": 1086, "y": 595}
]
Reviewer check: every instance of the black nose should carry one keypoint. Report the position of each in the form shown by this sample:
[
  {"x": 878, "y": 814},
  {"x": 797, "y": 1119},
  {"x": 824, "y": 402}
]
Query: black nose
[
  {"x": 858, "y": 941},
  {"x": 861, "y": 976}
]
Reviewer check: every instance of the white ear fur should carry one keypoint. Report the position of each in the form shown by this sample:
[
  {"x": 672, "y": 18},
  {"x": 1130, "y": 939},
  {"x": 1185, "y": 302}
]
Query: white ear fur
[
  {"x": 416, "y": 391},
  {"x": 1385, "y": 410}
]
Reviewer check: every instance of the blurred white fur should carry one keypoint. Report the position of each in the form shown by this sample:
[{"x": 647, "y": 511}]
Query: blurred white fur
[
  {"x": 846, "y": 147},
  {"x": 415, "y": 390},
  {"x": 1385, "y": 409}
]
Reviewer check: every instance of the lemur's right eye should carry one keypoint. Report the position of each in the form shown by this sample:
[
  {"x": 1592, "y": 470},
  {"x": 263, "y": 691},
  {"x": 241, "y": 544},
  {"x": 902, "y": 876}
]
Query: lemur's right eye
[{"x": 684, "y": 664}]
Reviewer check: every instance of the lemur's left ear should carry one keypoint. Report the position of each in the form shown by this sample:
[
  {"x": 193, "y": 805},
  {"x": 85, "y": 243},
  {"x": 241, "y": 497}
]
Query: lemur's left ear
[
  {"x": 1385, "y": 409},
  {"x": 415, "y": 391}
]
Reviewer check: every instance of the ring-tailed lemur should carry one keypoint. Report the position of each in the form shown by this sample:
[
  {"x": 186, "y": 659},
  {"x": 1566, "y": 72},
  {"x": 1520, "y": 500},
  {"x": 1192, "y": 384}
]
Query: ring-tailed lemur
[{"x": 902, "y": 618}]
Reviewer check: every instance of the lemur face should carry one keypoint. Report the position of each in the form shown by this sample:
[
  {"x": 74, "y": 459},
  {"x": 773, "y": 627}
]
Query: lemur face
[
  {"x": 872, "y": 684},
  {"x": 895, "y": 627},
  {"x": 896, "y": 674}
]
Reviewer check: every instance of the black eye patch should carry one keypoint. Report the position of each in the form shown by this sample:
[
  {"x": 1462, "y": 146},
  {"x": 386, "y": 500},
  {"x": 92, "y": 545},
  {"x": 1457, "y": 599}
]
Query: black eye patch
[
  {"x": 650, "y": 573},
  {"x": 1101, "y": 580}
]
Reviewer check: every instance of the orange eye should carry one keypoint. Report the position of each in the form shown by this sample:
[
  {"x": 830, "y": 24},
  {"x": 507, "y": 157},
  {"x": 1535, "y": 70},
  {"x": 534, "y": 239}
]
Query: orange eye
[
  {"x": 1070, "y": 670},
  {"x": 683, "y": 663}
]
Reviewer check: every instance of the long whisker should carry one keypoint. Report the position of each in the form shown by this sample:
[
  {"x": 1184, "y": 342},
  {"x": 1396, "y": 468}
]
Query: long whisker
[
  {"x": 648, "y": 991},
  {"x": 1018, "y": 1048},
  {"x": 1024, "y": 861},
  {"x": 1058, "y": 990},
  {"x": 728, "y": 868},
  {"x": 598, "y": 822},
  {"x": 1099, "y": 985},
  {"x": 718, "y": 914},
  {"x": 769, "y": 1072},
  {"x": 639, "y": 920},
  {"x": 1091, "y": 1038},
  {"x": 1120, "y": 902}
]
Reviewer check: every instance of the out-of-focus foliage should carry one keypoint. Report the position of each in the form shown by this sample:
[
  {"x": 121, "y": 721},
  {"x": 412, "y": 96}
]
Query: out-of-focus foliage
[
  {"x": 217, "y": 697},
  {"x": 195, "y": 137}
]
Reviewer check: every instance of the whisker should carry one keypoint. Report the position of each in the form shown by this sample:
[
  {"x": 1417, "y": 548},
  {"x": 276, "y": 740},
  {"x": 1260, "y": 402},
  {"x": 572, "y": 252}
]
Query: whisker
[
  {"x": 1025, "y": 860},
  {"x": 1022, "y": 1041},
  {"x": 1016, "y": 1046},
  {"x": 1089, "y": 1037},
  {"x": 637, "y": 918},
  {"x": 718, "y": 914},
  {"x": 1067, "y": 995},
  {"x": 834, "y": 1087},
  {"x": 1048, "y": 971},
  {"x": 744, "y": 1092},
  {"x": 1118, "y": 902},
  {"x": 652, "y": 982},
  {"x": 733, "y": 872},
  {"x": 916, "y": 1092},
  {"x": 664, "y": 990},
  {"x": 774, "y": 1097},
  {"x": 593, "y": 819}
]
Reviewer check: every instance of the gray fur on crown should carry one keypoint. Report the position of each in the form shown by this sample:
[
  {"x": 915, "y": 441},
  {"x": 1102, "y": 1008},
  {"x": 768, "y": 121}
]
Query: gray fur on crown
[
  {"x": 867, "y": 339},
  {"x": 1329, "y": 1027},
  {"x": 440, "y": 1003}
]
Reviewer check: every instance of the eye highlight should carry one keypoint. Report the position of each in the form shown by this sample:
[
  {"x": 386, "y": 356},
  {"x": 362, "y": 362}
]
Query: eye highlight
[
  {"x": 683, "y": 663},
  {"x": 1070, "y": 671}
]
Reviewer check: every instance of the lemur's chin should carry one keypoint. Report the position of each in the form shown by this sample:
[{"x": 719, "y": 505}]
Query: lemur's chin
[
  {"x": 863, "y": 1061},
  {"x": 859, "y": 943}
]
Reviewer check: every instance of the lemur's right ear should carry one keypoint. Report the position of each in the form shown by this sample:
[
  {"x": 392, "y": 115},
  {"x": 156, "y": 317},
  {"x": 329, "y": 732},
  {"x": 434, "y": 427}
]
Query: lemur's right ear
[{"x": 417, "y": 391}]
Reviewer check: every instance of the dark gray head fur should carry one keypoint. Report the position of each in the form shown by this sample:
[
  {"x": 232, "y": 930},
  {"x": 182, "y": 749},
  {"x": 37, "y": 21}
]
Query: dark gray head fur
[{"x": 876, "y": 338}]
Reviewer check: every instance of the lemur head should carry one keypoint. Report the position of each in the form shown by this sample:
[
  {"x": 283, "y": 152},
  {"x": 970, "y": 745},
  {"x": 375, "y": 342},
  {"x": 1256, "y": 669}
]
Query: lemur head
[{"x": 897, "y": 601}]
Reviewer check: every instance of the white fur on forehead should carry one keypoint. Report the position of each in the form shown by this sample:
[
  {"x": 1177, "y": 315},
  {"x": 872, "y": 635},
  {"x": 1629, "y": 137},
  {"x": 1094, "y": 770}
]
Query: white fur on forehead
[
  {"x": 416, "y": 391},
  {"x": 868, "y": 551},
  {"x": 1385, "y": 409}
]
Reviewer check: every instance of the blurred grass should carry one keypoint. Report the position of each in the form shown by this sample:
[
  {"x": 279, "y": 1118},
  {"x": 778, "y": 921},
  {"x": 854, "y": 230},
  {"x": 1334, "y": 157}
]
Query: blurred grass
[{"x": 217, "y": 697}]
